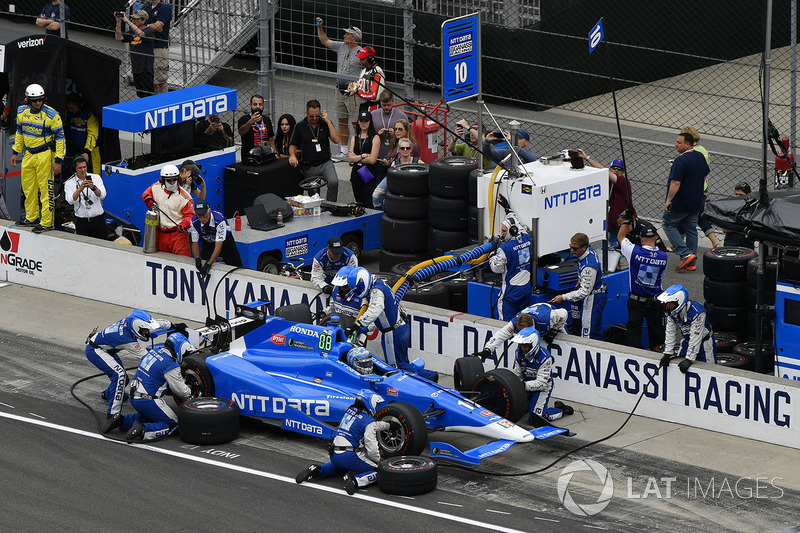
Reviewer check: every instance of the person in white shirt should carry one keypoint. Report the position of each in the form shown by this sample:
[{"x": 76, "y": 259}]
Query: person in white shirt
[{"x": 85, "y": 191}]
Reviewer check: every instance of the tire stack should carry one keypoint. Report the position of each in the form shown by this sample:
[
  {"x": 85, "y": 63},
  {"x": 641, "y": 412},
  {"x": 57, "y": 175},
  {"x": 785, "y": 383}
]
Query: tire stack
[
  {"x": 448, "y": 205},
  {"x": 423, "y": 291},
  {"x": 473, "y": 228},
  {"x": 768, "y": 295},
  {"x": 725, "y": 288},
  {"x": 404, "y": 225}
]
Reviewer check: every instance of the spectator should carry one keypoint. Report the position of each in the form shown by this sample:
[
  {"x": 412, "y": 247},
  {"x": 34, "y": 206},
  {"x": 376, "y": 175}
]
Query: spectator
[
  {"x": 370, "y": 81},
  {"x": 85, "y": 192},
  {"x": 254, "y": 129},
  {"x": 685, "y": 201},
  {"x": 5, "y": 102},
  {"x": 82, "y": 131},
  {"x": 328, "y": 262},
  {"x": 384, "y": 120},
  {"x": 363, "y": 155},
  {"x": 646, "y": 266},
  {"x": 213, "y": 230},
  {"x": 704, "y": 224},
  {"x": 141, "y": 41},
  {"x": 467, "y": 149},
  {"x": 175, "y": 212},
  {"x": 191, "y": 181},
  {"x": 354, "y": 449},
  {"x": 160, "y": 18},
  {"x": 589, "y": 299},
  {"x": 512, "y": 261},
  {"x": 498, "y": 154},
  {"x": 50, "y": 18},
  {"x": 619, "y": 197},
  {"x": 39, "y": 128},
  {"x": 286, "y": 126},
  {"x": 548, "y": 321},
  {"x": 689, "y": 332},
  {"x": 784, "y": 163},
  {"x": 405, "y": 149},
  {"x": 312, "y": 139},
  {"x": 737, "y": 238},
  {"x": 402, "y": 130},
  {"x": 348, "y": 66},
  {"x": 212, "y": 134}
]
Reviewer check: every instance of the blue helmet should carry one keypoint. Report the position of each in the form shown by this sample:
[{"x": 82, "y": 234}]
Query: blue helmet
[
  {"x": 140, "y": 323},
  {"x": 360, "y": 282},
  {"x": 360, "y": 360},
  {"x": 178, "y": 345},
  {"x": 340, "y": 279},
  {"x": 370, "y": 400},
  {"x": 525, "y": 337},
  {"x": 676, "y": 294}
]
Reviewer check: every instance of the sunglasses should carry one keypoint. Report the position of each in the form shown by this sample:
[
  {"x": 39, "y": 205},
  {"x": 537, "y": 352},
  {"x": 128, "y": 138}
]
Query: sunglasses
[
  {"x": 170, "y": 180},
  {"x": 32, "y": 100},
  {"x": 617, "y": 168},
  {"x": 314, "y": 116},
  {"x": 405, "y": 148},
  {"x": 575, "y": 247}
]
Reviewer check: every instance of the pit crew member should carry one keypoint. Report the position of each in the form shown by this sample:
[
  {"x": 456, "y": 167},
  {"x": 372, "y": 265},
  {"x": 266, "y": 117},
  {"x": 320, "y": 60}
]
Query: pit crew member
[
  {"x": 354, "y": 449},
  {"x": 513, "y": 262},
  {"x": 327, "y": 263},
  {"x": 175, "y": 212},
  {"x": 689, "y": 332},
  {"x": 547, "y": 320},
  {"x": 211, "y": 227}
]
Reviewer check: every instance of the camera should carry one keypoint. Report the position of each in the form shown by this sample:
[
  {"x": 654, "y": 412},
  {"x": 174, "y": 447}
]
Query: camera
[
  {"x": 119, "y": 14},
  {"x": 214, "y": 120}
]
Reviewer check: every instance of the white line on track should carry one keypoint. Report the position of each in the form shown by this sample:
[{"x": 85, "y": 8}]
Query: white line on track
[
  {"x": 495, "y": 511},
  {"x": 37, "y": 416},
  {"x": 6, "y": 405},
  {"x": 545, "y": 519},
  {"x": 595, "y": 527},
  {"x": 450, "y": 504},
  {"x": 268, "y": 475}
]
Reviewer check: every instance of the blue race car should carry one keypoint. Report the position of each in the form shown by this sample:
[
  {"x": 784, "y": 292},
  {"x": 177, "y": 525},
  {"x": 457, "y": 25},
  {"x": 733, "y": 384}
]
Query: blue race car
[{"x": 295, "y": 375}]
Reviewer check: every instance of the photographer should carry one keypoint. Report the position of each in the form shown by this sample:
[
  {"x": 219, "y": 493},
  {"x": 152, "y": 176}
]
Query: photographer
[
  {"x": 497, "y": 150},
  {"x": 212, "y": 134},
  {"x": 255, "y": 129},
  {"x": 190, "y": 179},
  {"x": 467, "y": 149},
  {"x": 85, "y": 192},
  {"x": 141, "y": 41}
]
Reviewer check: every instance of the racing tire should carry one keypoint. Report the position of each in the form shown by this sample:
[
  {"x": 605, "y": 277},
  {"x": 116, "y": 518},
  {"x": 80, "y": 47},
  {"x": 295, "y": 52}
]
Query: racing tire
[
  {"x": 208, "y": 421},
  {"x": 406, "y": 207},
  {"x": 732, "y": 360},
  {"x": 389, "y": 258},
  {"x": 268, "y": 264},
  {"x": 752, "y": 293},
  {"x": 407, "y": 236},
  {"x": 353, "y": 243},
  {"x": 724, "y": 342},
  {"x": 725, "y": 293},
  {"x": 401, "y": 269},
  {"x": 448, "y": 213},
  {"x": 441, "y": 241},
  {"x": 466, "y": 371},
  {"x": 726, "y": 318},
  {"x": 473, "y": 228},
  {"x": 197, "y": 375},
  {"x": 410, "y": 179},
  {"x": 408, "y": 434},
  {"x": 433, "y": 294},
  {"x": 390, "y": 278},
  {"x": 295, "y": 313},
  {"x": 457, "y": 290},
  {"x": 503, "y": 393},
  {"x": 472, "y": 188},
  {"x": 748, "y": 349},
  {"x": 770, "y": 272},
  {"x": 407, "y": 475},
  {"x": 727, "y": 263},
  {"x": 449, "y": 176}
]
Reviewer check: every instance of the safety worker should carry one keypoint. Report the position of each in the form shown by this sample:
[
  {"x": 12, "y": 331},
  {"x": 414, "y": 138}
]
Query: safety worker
[
  {"x": 41, "y": 134},
  {"x": 159, "y": 372},
  {"x": 512, "y": 261},
  {"x": 548, "y": 321},
  {"x": 589, "y": 299},
  {"x": 82, "y": 132},
  {"x": 533, "y": 364},
  {"x": 327, "y": 263},
  {"x": 213, "y": 229},
  {"x": 355, "y": 446},
  {"x": 385, "y": 313},
  {"x": 175, "y": 212},
  {"x": 103, "y": 347},
  {"x": 689, "y": 332},
  {"x": 646, "y": 267}
]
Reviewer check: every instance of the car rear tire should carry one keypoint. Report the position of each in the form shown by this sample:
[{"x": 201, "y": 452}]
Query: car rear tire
[
  {"x": 208, "y": 421},
  {"x": 197, "y": 376},
  {"x": 466, "y": 371},
  {"x": 408, "y": 434},
  {"x": 503, "y": 393},
  {"x": 407, "y": 475}
]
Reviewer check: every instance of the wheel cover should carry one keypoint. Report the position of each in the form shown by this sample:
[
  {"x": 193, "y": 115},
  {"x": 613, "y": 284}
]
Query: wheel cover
[
  {"x": 394, "y": 439},
  {"x": 406, "y": 463},
  {"x": 209, "y": 404},
  {"x": 193, "y": 381}
]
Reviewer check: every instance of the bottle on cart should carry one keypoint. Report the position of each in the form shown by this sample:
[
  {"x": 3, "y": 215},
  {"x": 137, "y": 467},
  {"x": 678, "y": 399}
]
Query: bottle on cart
[
  {"x": 238, "y": 222},
  {"x": 280, "y": 217}
]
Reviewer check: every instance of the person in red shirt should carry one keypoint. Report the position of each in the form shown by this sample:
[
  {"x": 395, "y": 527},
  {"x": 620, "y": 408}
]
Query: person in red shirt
[
  {"x": 370, "y": 83},
  {"x": 175, "y": 210}
]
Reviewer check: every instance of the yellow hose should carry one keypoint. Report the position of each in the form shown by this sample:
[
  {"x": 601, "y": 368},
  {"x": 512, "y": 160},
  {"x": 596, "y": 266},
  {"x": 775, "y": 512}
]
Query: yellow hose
[{"x": 490, "y": 200}]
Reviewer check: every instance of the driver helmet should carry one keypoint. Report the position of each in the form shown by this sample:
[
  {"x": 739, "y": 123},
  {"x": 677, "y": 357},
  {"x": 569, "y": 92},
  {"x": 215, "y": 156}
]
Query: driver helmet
[
  {"x": 34, "y": 91},
  {"x": 141, "y": 323},
  {"x": 170, "y": 172},
  {"x": 674, "y": 299},
  {"x": 360, "y": 360},
  {"x": 370, "y": 400},
  {"x": 178, "y": 345},
  {"x": 360, "y": 282},
  {"x": 528, "y": 341}
]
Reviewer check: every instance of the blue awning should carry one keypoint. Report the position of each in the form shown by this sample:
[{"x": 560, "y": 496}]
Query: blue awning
[{"x": 160, "y": 110}]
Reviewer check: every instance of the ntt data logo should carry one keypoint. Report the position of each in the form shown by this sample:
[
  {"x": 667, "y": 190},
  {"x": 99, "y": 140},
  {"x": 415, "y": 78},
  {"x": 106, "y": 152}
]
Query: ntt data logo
[{"x": 585, "y": 509}]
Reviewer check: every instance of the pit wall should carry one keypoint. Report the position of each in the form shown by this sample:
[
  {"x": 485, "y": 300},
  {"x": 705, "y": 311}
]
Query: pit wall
[{"x": 755, "y": 406}]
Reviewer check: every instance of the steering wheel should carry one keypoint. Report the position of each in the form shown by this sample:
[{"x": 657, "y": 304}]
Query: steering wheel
[{"x": 313, "y": 185}]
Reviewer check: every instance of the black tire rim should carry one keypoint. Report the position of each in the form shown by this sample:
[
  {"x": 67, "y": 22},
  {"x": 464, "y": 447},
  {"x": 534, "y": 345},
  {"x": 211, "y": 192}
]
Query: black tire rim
[{"x": 393, "y": 440}]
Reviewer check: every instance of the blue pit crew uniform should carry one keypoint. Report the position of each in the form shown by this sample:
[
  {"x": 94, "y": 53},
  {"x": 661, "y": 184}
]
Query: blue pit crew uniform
[
  {"x": 589, "y": 299},
  {"x": 546, "y": 319},
  {"x": 216, "y": 231},
  {"x": 513, "y": 262},
  {"x": 535, "y": 371},
  {"x": 689, "y": 334},
  {"x": 646, "y": 267},
  {"x": 323, "y": 268},
  {"x": 103, "y": 347}
]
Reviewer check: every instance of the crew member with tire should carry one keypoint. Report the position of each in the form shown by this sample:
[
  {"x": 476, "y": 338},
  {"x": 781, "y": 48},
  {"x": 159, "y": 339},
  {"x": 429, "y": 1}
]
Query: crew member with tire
[
  {"x": 513, "y": 262},
  {"x": 158, "y": 372},
  {"x": 688, "y": 332},
  {"x": 548, "y": 321},
  {"x": 328, "y": 262},
  {"x": 354, "y": 449},
  {"x": 385, "y": 313},
  {"x": 534, "y": 366}
]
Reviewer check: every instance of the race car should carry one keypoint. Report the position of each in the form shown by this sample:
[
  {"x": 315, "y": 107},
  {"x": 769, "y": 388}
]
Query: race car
[{"x": 295, "y": 375}]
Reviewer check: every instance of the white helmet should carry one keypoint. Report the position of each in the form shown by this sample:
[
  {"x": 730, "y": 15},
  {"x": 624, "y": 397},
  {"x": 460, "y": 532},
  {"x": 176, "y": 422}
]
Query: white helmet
[
  {"x": 34, "y": 90},
  {"x": 525, "y": 337},
  {"x": 141, "y": 324},
  {"x": 170, "y": 172},
  {"x": 676, "y": 294},
  {"x": 513, "y": 227}
]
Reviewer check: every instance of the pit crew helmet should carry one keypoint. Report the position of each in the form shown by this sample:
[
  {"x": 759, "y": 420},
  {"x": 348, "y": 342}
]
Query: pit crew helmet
[
  {"x": 360, "y": 281},
  {"x": 676, "y": 294},
  {"x": 527, "y": 337},
  {"x": 360, "y": 360},
  {"x": 140, "y": 323},
  {"x": 512, "y": 226},
  {"x": 170, "y": 172},
  {"x": 34, "y": 91},
  {"x": 178, "y": 345},
  {"x": 340, "y": 279},
  {"x": 370, "y": 400}
]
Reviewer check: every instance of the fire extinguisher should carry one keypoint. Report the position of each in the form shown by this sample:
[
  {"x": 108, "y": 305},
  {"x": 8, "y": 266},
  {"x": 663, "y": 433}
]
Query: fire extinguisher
[
  {"x": 150, "y": 229},
  {"x": 238, "y": 222}
]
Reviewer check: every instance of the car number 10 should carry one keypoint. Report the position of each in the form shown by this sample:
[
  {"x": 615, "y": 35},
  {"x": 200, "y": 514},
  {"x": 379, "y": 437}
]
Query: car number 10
[{"x": 461, "y": 72}]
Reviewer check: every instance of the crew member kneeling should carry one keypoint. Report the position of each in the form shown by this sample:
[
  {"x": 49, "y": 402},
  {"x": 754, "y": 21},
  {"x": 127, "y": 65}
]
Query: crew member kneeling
[
  {"x": 211, "y": 227},
  {"x": 688, "y": 329}
]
